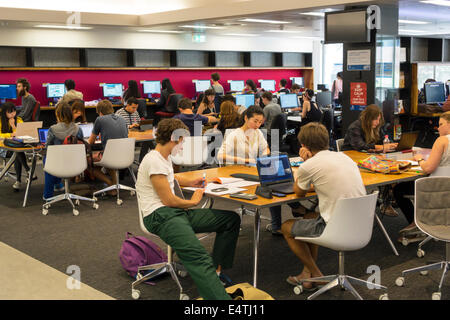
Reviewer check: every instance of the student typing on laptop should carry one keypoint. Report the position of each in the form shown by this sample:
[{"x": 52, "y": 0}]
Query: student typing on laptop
[{"x": 333, "y": 176}]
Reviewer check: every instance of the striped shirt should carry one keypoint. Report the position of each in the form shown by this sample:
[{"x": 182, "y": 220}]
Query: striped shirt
[{"x": 130, "y": 118}]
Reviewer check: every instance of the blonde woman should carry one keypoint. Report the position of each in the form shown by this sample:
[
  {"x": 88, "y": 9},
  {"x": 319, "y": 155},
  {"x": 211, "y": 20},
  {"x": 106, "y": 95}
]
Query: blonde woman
[{"x": 229, "y": 117}]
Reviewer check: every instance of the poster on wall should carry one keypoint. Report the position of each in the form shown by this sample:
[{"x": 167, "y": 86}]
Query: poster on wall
[
  {"x": 358, "y": 60},
  {"x": 358, "y": 96}
]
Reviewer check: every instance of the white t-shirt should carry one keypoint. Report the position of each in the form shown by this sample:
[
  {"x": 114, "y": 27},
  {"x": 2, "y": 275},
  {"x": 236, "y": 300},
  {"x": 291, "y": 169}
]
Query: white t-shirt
[
  {"x": 153, "y": 163},
  {"x": 334, "y": 175},
  {"x": 250, "y": 144}
]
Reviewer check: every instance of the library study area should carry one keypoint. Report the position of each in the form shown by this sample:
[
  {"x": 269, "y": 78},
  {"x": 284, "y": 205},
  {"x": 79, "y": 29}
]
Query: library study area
[{"x": 246, "y": 150}]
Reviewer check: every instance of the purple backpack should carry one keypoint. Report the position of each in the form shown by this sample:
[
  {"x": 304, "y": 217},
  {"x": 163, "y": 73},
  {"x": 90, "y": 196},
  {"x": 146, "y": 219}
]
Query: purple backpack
[{"x": 139, "y": 251}]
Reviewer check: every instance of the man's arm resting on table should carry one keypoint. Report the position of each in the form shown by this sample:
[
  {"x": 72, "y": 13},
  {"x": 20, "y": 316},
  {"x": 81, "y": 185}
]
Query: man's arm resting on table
[
  {"x": 300, "y": 192},
  {"x": 162, "y": 187}
]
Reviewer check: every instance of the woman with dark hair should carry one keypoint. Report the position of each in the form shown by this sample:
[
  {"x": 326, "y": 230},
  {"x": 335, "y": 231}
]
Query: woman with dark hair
[
  {"x": 310, "y": 110},
  {"x": 166, "y": 91},
  {"x": 207, "y": 105},
  {"x": 78, "y": 111},
  {"x": 250, "y": 86},
  {"x": 131, "y": 91}
]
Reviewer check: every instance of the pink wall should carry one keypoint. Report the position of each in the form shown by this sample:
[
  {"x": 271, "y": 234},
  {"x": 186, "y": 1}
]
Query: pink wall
[{"x": 87, "y": 81}]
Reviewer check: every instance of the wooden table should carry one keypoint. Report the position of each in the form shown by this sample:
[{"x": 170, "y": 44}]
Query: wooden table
[
  {"x": 369, "y": 180},
  {"x": 141, "y": 136}
]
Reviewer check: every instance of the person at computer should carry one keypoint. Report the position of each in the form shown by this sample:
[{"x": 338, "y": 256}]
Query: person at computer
[
  {"x": 295, "y": 88},
  {"x": 78, "y": 111},
  {"x": 109, "y": 126},
  {"x": 215, "y": 77},
  {"x": 249, "y": 86},
  {"x": 333, "y": 175},
  {"x": 207, "y": 106},
  {"x": 28, "y": 100},
  {"x": 271, "y": 110},
  {"x": 57, "y": 133},
  {"x": 129, "y": 113},
  {"x": 8, "y": 126},
  {"x": 131, "y": 91},
  {"x": 192, "y": 120},
  {"x": 439, "y": 157},
  {"x": 310, "y": 110},
  {"x": 336, "y": 89},
  {"x": 175, "y": 221},
  {"x": 229, "y": 117},
  {"x": 283, "y": 88},
  {"x": 166, "y": 91},
  {"x": 71, "y": 93}
]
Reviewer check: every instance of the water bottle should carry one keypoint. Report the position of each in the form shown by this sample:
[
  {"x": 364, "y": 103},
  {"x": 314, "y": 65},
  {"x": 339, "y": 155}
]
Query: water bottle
[{"x": 386, "y": 143}]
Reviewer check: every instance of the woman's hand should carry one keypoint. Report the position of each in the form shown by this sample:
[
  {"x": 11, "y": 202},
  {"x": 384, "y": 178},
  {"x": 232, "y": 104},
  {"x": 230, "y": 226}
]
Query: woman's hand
[
  {"x": 12, "y": 122},
  {"x": 418, "y": 157}
]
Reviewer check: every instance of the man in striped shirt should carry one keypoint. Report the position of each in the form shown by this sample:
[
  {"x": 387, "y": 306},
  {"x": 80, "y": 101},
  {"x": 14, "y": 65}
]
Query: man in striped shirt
[{"x": 130, "y": 114}]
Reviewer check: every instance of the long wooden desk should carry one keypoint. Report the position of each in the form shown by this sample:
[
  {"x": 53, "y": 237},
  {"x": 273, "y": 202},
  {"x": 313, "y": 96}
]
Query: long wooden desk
[{"x": 369, "y": 180}]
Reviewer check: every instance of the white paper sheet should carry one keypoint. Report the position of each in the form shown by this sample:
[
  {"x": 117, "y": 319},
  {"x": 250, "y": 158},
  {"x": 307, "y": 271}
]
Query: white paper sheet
[{"x": 211, "y": 186}]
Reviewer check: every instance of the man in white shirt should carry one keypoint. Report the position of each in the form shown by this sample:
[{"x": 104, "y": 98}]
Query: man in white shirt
[{"x": 333, "y": 176}]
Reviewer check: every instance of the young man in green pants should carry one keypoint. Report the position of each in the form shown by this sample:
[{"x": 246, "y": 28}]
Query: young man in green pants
[{"x": 169, "y": 216}]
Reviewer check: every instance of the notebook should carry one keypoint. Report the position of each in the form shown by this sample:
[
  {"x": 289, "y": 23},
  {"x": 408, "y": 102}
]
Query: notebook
[{"x": 275, "y": 173}]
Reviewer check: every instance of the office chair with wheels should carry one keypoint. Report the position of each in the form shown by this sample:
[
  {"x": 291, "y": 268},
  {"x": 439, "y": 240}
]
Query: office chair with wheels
[
  {"x": 432, "y": 216},
  {"x": 142, "y": 108},
  {"x": 279, "y": 123},
  {"x": 36, "y": 111},
  {"x": 340, "y": 235},
  {"x": 171, "y": 108}
]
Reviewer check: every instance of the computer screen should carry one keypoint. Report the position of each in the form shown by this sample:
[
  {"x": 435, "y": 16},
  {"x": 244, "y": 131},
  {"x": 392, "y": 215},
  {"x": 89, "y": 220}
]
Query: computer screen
[
  {"x": 289, "y": 100},
  {"x": 8, "y": 91},
  {"x": 434, "y": 92},
  {"x": 55, "y": 90},
  {"x": 298, "y": 80},
  {"x": 87, "y": 129},
  {"x": 323, "y": 98},
  {"x": 322, "y": 87},
  {"x": 274, "y": 169},
  {"x": 245, "y": 100},
  {"x": 152, "y": 87},
  {"x": 112, "y": 89},
  {"x": 268, "y": 85},
  {"x": 42, "y": 133},
  {"x": 202, "y": 85},
  {"x": 346, "y": 26},
  {"x": 237, "y": 85}
]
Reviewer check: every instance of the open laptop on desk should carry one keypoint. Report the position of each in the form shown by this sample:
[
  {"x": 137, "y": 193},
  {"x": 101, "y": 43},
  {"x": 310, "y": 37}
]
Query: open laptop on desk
[
  {"x": 28, "y": 131},
  {"x": 407, "y": 141},
  {"x": 275, "y": 173},
  {"x": 87, "y": 131},
  {"x": 43, "y": 133}
]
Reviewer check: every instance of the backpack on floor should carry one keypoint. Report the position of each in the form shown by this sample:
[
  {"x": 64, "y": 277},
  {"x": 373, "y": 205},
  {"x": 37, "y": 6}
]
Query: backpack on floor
[{"x": 139, "y": 251}]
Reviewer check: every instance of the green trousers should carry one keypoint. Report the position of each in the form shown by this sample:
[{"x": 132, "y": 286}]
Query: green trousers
[{"x": 177, "y": 228}]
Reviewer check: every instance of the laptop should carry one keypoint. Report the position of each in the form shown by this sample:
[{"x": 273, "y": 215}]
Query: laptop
[
  {"x": 275, "y": 173},
  {"x": 87, "y": 131},
  {"x": 28, "y": 131},
  {"x": 407, "y": 141},
  {"x": 43, "y": 133},
  {"x": 146, "y": 124}
]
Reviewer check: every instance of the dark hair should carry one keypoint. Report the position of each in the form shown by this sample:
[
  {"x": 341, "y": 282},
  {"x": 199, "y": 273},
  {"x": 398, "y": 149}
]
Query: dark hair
[
  {"x": 105, "y": 107},
  {"x": 295, "y": 86},
  {"x": 430, "y": 80},
  {"x": 78, "y": 105},
  {"x": 7, "y": 107},
  {"x": 63, "y": 113},
  {"x": 314, "y": 136},
  {"x": 132, "y": 100},
  {"x": 253, "y": 110},
  {"x": 340, "y": 74},
  {"x": 268, "y": 95},
  {"x": 209, "y": 92},
  {"x": 252, "y": 84},
  {"x": 70, "y": 84},
  {"x": 215, "y": 76},
  {"x": 283, "y": 82},
  {"x": 310, "y": 92},
  {"x": 185, "y": 103},
  {"x": 165, "y": 84},
  {"x": 229, "y": 97},
  {"x": 25, "y": 84},
  {"x": 132, "y": 91},
  {"x": 165, "y": 129}
]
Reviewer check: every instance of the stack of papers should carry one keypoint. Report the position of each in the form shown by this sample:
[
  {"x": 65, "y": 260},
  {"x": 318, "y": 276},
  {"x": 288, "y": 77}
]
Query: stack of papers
[{"x": 232, "y": 185}]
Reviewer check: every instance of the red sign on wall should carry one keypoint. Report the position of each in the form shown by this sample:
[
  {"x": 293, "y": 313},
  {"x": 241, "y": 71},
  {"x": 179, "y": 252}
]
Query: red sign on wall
[{"x": 358, "y": 93}]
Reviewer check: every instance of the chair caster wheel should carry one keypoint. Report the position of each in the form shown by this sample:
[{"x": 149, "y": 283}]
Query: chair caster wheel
[
  {"x": 405, "y": 242},
  {"x": 119, "y": 202},
  {"x": 135, "y": 294},
  {"x": 139, "y": 276},
  {"x": 420, "y": 253},
  {"x": 436, "y": 296},
  {"x": 298, "y": 289},
  {"x": 132, "y": 193},
  {"x": 75, "y": 212},
  {"x": 77, "y": 202},
  {"x": 182, "y": 273},
  {"x": 424, "y": 272},
  {"x": 184, "y": 296},
  {"x": 384, "y": 297},
  {"x": 45, "y": 212},
  {"x": 400, "y": 281},
  {"x": 95, "y": 206},
  {"x": 95, "y": 199}
]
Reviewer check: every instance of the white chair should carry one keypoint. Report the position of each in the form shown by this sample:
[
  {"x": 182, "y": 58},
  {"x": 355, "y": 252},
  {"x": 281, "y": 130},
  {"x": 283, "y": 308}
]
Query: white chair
[
  {"x": 194, "y": 153},
  {"x": 341, "y": 235},
  {"x": 432, "y": 216},
  {"x": 66, "y": 161},
  {"x": 118, "y": 154},
  {"x": 339, "y": 144},
  {"x": 168, "y": 266}
]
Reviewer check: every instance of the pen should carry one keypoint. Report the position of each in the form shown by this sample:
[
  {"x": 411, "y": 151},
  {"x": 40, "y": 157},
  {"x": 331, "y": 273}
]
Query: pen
[{"x": 204, "y": 179}]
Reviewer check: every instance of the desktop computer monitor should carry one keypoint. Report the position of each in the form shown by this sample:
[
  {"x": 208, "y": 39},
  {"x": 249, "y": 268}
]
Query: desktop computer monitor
[
  {"x": 245, "y": 100},
  {"x": 202, "y": 85},
  {"x": 299, "y": 81},
  {"x": 8, "y": 91},
  {"x": 237, "y": 85},
  {"x": 151, "y": 87},
  {"x": 111, "y": 90},
  {"x": 268, "y": 85},
  {"x": 289, "y": 100},
  {"x": 434, "y": 92},
  {"x": 55, "y": 90},
  {"x": 322, "y": 87},
  {"x": 323, "y": 99}
]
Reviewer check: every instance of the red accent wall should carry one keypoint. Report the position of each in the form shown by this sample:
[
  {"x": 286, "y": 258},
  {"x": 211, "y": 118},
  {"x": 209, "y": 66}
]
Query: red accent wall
[{"x": 87, "y": 81}]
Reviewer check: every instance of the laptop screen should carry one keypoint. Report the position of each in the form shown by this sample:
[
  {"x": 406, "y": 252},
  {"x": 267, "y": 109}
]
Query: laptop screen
[
  {"x": 87, "y": 129},
  {"x": 42, "y": 133},
  {"x": 274, "y": 169}
]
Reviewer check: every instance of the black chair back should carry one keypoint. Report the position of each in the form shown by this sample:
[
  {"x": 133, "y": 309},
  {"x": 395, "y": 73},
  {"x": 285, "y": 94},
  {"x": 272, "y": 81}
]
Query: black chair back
[
  {"x": 172, "y": 102},
  {"x": 142, "y": 107}
]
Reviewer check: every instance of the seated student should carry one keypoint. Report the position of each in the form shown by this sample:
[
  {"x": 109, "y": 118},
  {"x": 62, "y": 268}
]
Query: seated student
[
  {"x": 8, "y": 125},
  {"x": 295, "y": 88},
  {"x": 78, "y": 111},
  {"x": 28, "y": 100},
  {"x": 229, "y": 117},
  {"x": 56, "y": 136},
  {"x": 129, "y": 113},
  {"x": 131, "y": 92},
  {"x": 166, "y": 91},
  {"x": 243, "y": 145},
  {"x": 171, "y": 218},
  {"x": 249, "y": 86},
  {"x": 310, "y": 110},
  {"x": 109, "y": 126},
  {"x": 283, "y": 88},
  {"x": 271, "y": 110},
  {"x": 333, "y": 175},
  {"x": 71, "y": 93},
  {"x": 439, "y": 157},
  {"x": 207, "y": 106},
  {"x": 188, "y": 117},
  {"x": 215, "y": 77}
]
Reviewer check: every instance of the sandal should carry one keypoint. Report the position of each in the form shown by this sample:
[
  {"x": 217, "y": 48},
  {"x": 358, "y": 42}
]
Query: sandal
[{"x": 292, "y": 280}]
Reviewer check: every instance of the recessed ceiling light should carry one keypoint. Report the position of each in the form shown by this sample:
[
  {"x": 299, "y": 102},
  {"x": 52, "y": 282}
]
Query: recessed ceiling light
[
  {"x": 283, "y": 31},
  {"x": 413, "y": 22},
  {"x": 160, "y": 31},
  {"x": 316, "y": 14},
  {"x": 200, "y": 27},
  {"x": 438, "y": 2},
  {"x": 241, "y": 34},
  {"x": 411, "y": 31},
  {"x": 71, "y": 27},
  {"x": 264, "y": 21}
]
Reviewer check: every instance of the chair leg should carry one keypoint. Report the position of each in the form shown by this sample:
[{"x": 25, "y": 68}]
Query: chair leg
[
  {"x": 77, "y": 197},
  {"x": 321, "y": 279},
  {"x": 424, "y": 242},
  {"x": 434, "y": 266},
  {"x": 330, "y": 285},
  {"x": 348, "y": 286},
  {"x": 148, "y": 276},
  {"x": 365, "y": 283},
  {"x": 443, "y": 275}
]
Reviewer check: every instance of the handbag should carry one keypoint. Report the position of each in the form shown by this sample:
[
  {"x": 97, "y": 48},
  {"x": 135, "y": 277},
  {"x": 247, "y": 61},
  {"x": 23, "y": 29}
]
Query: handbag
[{"x": 379, "y": 164}]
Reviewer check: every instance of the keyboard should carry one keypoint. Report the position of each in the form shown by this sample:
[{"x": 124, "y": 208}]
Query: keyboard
[{"x": 245, "y": 176}]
